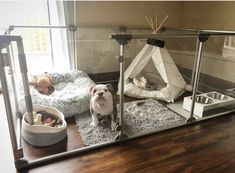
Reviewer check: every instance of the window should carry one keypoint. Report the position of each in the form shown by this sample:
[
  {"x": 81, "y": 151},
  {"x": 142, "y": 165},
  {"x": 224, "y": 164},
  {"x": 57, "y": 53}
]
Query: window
[{"x": 46, "y": 49}]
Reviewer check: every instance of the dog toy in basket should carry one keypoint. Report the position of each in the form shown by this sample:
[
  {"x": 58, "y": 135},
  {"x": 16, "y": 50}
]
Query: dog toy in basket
[{"x": 47, "y": 119}]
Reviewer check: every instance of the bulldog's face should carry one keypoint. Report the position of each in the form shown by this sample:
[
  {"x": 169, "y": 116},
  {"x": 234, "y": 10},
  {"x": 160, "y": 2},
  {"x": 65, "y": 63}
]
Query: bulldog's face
[{"x": 101, "y": 92}]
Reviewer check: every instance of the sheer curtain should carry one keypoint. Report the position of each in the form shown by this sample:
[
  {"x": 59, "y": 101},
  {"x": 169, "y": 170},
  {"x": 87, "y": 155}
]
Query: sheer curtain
[{"x": 63, "y": 13}]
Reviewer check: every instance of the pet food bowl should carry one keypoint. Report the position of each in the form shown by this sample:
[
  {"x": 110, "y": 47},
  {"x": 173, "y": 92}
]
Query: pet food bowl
[
  {"x": 217, "y": 96},
  {"x": 203, "y": 100},
  {"x": 42, "y": 135}
]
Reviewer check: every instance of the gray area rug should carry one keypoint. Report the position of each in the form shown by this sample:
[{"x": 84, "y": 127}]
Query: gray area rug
[{"x": 139, "y": 117}]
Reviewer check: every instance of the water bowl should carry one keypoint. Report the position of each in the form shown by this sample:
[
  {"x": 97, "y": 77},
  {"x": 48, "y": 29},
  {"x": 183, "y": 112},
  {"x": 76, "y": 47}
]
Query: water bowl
[
  {"x": 203, "y": 100},
  {"x": 217, "y": 96}
]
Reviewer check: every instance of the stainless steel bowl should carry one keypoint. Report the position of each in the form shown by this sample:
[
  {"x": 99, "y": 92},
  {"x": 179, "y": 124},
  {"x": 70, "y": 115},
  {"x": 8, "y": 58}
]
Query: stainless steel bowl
[
  {"x": 217, "y": 96},
  {"x": 203, "y": 100}
]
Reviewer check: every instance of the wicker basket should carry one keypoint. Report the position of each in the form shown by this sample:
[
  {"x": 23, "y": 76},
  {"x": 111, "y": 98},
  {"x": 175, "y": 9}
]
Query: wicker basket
[{"x": 41, "y": 135}]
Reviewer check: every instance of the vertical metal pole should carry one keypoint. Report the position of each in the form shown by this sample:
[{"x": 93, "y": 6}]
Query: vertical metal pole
[
  {"x": 74, "y": 34},
  {"x": 8, "y": 108},
  {"x": 11, "y": 72},
  {"x": 13, "y": 64},
  {"x": 74, "y": 49},
  {"x": 121, "y": 41},
  {"x": 73, "y": 62},
  {"x": 18, "y": 114},
  {"x": 196, "y": 79},
  {"x": 122, "y": 69},
  {"x": 194, "y": 63},
  {"x": 121, "y": 59},
  {"x": 23, "y": 69}
]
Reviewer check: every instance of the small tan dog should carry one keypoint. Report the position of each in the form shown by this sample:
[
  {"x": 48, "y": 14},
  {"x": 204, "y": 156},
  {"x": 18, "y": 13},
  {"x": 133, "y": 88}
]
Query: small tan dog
[{"x": 43, "y": 83}]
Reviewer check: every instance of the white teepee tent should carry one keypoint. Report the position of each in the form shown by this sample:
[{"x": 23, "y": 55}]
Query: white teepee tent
[{"x": 153, "y": 58}]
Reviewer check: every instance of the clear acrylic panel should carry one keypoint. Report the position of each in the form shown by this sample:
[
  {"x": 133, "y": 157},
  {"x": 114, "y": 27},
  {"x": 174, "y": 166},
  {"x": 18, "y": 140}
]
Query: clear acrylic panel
[{"x": 48, "y": 50}]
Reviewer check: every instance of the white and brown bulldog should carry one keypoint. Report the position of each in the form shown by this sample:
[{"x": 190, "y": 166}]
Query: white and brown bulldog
[{"x": 102, "y": 104}]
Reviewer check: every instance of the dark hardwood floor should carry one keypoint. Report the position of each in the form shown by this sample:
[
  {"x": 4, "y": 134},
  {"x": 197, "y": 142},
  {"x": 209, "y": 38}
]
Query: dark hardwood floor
[{"x": 207, "y": 147}]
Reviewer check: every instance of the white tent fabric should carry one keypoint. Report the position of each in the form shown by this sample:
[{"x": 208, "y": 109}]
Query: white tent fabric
[{"x": 164, "y": 65}]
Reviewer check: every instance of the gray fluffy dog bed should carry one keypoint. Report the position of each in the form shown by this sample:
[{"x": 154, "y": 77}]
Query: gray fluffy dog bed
[
  {"x": 139, "y": 117},
  {"x": 71, "y": 95}
]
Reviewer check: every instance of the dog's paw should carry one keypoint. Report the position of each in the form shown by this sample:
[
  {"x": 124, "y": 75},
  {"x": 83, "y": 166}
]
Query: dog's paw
[
  {"x": 94, "y": 124},
  {"x": 113, "y": 126}
]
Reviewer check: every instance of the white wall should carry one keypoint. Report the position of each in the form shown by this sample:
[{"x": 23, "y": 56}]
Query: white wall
[
  {"x": 211, "y": 15},
  {"x": 126, "y": 13},
  {"x": 96, "y": 52}
]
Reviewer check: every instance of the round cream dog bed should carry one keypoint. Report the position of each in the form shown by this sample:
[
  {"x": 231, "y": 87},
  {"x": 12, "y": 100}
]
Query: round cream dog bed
[{"x": 71, "y": 95}]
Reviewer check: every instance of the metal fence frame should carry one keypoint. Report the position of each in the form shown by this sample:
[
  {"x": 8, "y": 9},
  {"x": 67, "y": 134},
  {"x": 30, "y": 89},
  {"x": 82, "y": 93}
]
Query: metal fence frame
[{"x": 122, "y": 40}]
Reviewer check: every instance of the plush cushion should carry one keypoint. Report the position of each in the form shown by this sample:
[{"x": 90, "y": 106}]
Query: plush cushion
[{"x": 71, "y": 95}]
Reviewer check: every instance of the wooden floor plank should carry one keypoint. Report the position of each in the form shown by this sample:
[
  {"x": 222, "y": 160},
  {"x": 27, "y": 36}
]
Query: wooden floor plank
[{"x": 72, "y": 141}]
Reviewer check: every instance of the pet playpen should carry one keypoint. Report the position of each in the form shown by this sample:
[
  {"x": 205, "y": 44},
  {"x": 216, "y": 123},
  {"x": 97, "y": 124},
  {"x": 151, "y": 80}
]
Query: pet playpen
[{"x": 122, "y": 39}]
